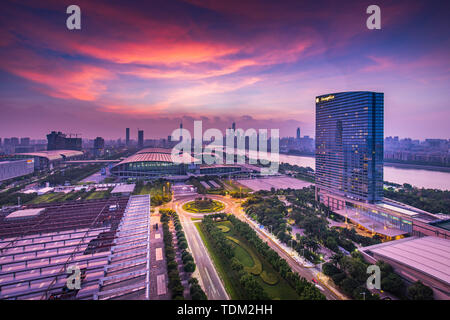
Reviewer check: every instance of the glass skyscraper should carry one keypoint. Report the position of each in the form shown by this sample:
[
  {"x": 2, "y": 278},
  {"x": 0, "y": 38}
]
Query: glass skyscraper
[{"x": 349, "y": 144}]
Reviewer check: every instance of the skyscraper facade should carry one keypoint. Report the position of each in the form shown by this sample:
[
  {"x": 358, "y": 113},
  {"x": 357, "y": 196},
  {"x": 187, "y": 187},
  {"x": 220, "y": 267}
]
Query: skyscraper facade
[
  {"x": 127, "y": 136},
  {"x": 298, "y": 133},
  {"x": 349, "y": 144}
]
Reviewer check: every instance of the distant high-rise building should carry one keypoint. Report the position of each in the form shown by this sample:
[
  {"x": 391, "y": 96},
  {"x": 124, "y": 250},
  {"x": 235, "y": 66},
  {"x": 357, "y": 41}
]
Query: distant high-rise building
[
  {"x": 233, "y": 126},
  {"x": 14, "y": 141},
  {"x": 127, "y": 136},
  {"x": 99, "y": 143},
  {"x": 24, "y": 142},
  {"x": 59, "y": 141},
  {"x": 56, "y": 141},
  {"x": 298, "y": 133},
  {"x": 140, "y": 138},
  {"x": 349, "y": 144}
]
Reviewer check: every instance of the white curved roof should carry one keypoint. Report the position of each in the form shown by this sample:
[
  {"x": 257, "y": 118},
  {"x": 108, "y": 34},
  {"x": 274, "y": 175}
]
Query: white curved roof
[{"x": 53, "y": 154}]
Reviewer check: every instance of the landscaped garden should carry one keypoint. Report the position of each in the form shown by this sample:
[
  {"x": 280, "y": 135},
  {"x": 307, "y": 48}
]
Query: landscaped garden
[
  {"x": 255, "y": 271},
  {"x": 203, "y": 205}
]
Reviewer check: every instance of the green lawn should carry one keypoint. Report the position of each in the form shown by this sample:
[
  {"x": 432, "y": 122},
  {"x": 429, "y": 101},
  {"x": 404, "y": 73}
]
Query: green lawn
[
  {"x": 146, "y": 189},
  {"x": 243, "y": 256},
  {"x": 98, "y": 195},
  {"x": 247, "y": 254},
  {"x": 48, "y": 197},
  {"x": 220, "y": 266},
  {"x": 152, "y": 189}
]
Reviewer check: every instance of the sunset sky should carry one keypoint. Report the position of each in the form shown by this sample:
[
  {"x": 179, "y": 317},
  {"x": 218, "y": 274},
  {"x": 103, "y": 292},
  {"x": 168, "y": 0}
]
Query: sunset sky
[{"x": 259, "y": 63}]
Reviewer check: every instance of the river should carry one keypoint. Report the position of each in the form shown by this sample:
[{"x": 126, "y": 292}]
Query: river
[
  {"x": 421, "y": 178},
  {"x": 417, "y": 177}
]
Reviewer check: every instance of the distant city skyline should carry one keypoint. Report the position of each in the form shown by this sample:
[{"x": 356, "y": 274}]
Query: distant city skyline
[{"x": 153, "y": 64}]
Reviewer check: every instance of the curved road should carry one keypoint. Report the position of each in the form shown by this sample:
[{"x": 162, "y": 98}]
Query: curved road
[{"x": 210, "y": 279}]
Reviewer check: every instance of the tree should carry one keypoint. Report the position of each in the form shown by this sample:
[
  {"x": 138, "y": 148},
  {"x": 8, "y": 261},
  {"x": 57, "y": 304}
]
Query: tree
[
  {"x": 189, "y": 266},
  {"x": 392, "y": 283},
  {"x": 355, "y": 268},
  {"x": 182, "y": 244},
  {"x": 187, "y": 257},
  {"x": 332, "y": 244},
  {"x": 253, "y": 290},
  {"x": 197, "y": 293},
  {"x": 419, "y": 291},
  {"x": 336, "y": 258},
  {"x": 329, "y": 269},
  {"x": 349, "y": 285},
  {"x": 236, "y": 265},
  {"x": 172, "y": 265},
  {"x": 338, "y": 278}
]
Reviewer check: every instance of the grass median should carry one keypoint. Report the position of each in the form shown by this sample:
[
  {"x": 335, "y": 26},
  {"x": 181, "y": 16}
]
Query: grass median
[
  {"x": 269, "y": 279},
  {"x": 218, "y": 263}
]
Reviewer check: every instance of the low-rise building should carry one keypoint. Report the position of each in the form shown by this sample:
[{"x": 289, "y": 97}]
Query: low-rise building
[
  {"x": 425, "y": 259},
  {"x": 48, "y": 159},
  {"x": 16, "y": 168}
]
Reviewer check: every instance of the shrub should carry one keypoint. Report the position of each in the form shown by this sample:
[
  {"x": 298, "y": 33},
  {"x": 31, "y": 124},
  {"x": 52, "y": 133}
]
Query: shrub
[
  {"x": 269, "y": 278},
  {"x": 419, "y": 291},
  {"x": 189, "y": 266},
  {"x": 182, "y": 244},
  {"x": 330, "y": 269}
]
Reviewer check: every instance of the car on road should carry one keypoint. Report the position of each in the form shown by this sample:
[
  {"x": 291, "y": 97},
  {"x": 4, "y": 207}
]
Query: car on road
[{"x": 320, "y": 287}]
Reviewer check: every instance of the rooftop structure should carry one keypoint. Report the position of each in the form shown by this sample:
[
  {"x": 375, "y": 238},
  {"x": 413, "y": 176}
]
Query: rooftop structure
[
  {"x": 388, "y": 218},
  {"x": 16, "y": 168},
  {"x": 124, "y": 188},
  {"x": 37, "y": 250},
  {"x": 152, "y": 163},
  {"x": 444, "y": 224},
  {"x": 426, "y": 259},
  {"x": 21, "y": 214},
  {"x": 47, "y": 159},
  {"x": 127, "y": 274}
]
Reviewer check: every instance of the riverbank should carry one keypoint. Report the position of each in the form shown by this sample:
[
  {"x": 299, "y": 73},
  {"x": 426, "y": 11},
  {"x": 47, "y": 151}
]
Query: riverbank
[
  {"x": 416, "y": 166},
  {"x": 386, "y": 163}
]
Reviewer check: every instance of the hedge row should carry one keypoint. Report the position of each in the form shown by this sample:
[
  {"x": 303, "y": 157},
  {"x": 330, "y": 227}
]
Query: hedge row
[{"x": 188, "y": 261}]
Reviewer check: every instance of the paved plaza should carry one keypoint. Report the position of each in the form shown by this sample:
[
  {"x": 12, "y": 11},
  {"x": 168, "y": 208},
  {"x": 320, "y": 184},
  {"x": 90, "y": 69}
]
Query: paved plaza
[{"x": 282, "y": 182}]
